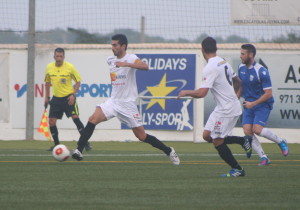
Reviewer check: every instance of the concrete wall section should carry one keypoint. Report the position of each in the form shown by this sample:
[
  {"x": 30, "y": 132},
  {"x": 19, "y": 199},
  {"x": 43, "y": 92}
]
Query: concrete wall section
[{"x": 283, "y": 62}]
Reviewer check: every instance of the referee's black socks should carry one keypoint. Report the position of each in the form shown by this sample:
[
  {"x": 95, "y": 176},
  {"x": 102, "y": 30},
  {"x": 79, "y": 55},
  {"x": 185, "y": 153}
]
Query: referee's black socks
[
  {"x": 154, "y": 142},
  {"x": 85, "y": 135},
  {"x": 54, "y": 134},
  {"x": 78, "y": 124}
]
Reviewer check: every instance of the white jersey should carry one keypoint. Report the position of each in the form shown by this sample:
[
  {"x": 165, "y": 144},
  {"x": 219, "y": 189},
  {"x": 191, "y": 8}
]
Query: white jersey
[
  {"x": 217, "y": 76},
  {"x": 123, "y": 79}
]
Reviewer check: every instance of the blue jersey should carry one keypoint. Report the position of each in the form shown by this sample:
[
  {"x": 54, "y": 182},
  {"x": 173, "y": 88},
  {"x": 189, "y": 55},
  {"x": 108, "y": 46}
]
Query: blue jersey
[{"x": 255, "y": 80}]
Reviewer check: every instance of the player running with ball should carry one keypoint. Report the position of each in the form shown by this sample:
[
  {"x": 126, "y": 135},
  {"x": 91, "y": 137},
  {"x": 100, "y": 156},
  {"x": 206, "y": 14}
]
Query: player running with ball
[{"x": 122, "y": 103}]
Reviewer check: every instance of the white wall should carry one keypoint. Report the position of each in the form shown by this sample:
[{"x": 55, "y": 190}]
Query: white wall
[{"x": 91, "y": 63}]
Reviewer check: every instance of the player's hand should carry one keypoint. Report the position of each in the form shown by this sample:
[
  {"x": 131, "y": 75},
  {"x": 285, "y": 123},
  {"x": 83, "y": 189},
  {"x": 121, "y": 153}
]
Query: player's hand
[
  {"x": 46, "y": 102},
  {"x": 71, "y": 100},
  {"x": 181, "y": 94},
  {"x": 248, "y": 104}
]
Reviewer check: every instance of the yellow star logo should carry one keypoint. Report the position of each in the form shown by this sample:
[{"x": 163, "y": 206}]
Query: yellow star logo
[{"x": 160, "y": 90}]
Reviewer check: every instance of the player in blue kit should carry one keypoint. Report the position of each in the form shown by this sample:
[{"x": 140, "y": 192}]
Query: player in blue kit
[{"x": 258, "y": 102}]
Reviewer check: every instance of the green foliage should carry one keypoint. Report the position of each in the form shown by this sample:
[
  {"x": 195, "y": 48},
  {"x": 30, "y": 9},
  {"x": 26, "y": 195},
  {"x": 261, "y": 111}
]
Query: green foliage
[
  {"x": 292, "y": 37},
  {"x": 7, "y": 37},
  {"x": 82, "y": 36}
]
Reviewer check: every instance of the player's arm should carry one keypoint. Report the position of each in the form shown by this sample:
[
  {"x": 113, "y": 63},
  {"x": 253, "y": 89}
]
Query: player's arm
[
  {"x": 47, "y": 81},
  {"x": 77, "y": 86},
  {"x": 47, "y": 94},
  {"x": 71, "y": 99},
  {"x": 237, "y": 85},
  {"x": 138, "y": 64},
  {"x": 198, "y": 93},
  {"x": 76, "y": 78},
  {"x": 266, "y": 96}
]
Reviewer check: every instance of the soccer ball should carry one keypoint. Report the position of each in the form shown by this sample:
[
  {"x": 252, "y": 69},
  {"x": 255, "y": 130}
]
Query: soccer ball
[{"x": 61, "y": 152}]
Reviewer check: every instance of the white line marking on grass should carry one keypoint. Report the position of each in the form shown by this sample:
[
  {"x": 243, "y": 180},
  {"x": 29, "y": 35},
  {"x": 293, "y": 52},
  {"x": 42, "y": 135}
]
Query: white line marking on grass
[{"x": 114, "y": 155}]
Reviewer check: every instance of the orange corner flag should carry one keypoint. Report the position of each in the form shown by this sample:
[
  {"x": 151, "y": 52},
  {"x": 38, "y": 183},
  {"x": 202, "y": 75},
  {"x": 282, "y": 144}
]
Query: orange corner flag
[{"x": 44, "y": 126}]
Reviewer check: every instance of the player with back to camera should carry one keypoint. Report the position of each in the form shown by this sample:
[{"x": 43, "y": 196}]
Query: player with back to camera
[
  {"x": 218, "y": 77},
  {"x": 59, "y": 76},
  {"x": 122, "y": 104},
  {"x": 257, "y": 93}
]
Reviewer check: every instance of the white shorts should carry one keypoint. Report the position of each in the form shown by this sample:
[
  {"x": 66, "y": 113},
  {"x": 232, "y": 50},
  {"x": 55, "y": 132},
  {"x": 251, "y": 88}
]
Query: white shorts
[
  {"x": 220, "y": 126},
  {"x": 126, "y": 112}
]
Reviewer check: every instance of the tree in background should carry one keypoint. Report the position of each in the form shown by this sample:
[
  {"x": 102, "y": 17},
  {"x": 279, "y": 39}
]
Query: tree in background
[{"x": 82, "y": 36}]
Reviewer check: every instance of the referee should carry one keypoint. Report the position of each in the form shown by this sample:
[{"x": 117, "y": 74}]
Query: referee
[{"x": 59, "y": 76}]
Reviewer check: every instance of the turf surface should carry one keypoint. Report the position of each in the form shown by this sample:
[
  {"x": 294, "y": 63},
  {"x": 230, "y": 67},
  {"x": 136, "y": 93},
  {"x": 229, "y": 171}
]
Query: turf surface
[{"x": 134, "y": 175}]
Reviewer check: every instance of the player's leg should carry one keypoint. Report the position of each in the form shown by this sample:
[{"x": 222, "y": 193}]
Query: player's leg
[
  {"x": 78, "y": 123},
  {"x": 209, "y": 127},
  {"x": 80, "y": 128},
  {"x": 267, "y": 133},
  {"x": 97, "y": 117},
  {"x": 248, "y": 118},
  {"x": 226, "y": 154},
  {"x": 140, "y": 133},
  {"x": 256, "y": 145},
  {"x": 73, "y": 112},
  {"x": 55, "y": 112},
  {"x": 129, "y": 115},
  {"x": 261, "y": 117},
  {"x": 221, "y": 127},
  {"x": 245, "y": 141},
  {"x": 102, "y": 113},
  {"x": 206, "y": 136},
  {"x": 53, "y": 130}
]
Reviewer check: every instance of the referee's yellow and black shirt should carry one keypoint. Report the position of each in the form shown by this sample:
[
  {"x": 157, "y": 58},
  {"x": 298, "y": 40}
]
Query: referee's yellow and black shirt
[{"x": 61, "y": 78}]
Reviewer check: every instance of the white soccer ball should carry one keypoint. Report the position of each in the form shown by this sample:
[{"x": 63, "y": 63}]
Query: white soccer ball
[{"x": 61, "y": 152}]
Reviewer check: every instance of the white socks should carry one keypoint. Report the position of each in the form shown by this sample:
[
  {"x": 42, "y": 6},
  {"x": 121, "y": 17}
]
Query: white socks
[
  {"x": 257, "y": 147},
  {"x": 270, "y": 135}
]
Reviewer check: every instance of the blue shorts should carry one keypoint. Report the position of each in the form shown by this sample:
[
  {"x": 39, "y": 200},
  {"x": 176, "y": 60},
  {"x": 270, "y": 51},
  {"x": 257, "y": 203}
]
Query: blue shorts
[{"x": 257, "y": 115}]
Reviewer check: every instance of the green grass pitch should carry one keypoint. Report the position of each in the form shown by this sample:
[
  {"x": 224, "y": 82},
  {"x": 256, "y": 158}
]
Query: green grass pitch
[{"x": 136, "y": 176}]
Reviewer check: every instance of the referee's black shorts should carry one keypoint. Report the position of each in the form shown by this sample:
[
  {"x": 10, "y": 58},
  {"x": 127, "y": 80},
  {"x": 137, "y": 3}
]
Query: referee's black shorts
[{"x": 59, "y": 106}]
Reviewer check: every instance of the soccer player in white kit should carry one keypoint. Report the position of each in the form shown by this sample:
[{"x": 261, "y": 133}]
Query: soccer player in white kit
[
  {"x": 218, "y": 76},
  {"x": 122, "y": 103}
]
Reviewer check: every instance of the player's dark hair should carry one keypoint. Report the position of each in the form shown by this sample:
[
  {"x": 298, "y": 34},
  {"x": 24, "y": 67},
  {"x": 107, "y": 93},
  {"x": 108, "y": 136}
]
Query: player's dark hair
[
  {"x": 121, "y": 38},
  {"x": 59, "y": 50},
  {"x": 209, "y": 45},
  {"x": 250, "y": 48}
]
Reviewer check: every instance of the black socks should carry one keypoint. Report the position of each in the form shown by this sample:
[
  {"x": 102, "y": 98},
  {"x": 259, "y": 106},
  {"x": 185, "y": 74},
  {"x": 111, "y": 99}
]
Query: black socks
[
  {"x": 54, "y": 133},
  {"x": 227, "y": 156},
  {"x": 78, "y": 124},
  {"x": 85, "y": 135},
  {"x": 234, "y": 140},
  {"x": 154, "y": 142}
]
